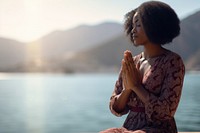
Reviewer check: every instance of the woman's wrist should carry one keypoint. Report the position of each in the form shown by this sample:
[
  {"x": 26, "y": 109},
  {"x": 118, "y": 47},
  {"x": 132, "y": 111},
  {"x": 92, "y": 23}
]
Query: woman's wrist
[
  {"x": 141, "y": 93},
  {"x": 128, "y": 91}
]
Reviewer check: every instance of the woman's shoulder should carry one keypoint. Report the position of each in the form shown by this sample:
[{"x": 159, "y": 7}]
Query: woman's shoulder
[
  {"x": 170, "y": 55},
  {"x": 173, "y": 58}
]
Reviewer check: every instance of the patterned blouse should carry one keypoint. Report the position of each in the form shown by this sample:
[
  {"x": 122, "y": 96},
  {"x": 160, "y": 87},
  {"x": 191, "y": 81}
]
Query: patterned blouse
[{"x": 163, "y": 79}]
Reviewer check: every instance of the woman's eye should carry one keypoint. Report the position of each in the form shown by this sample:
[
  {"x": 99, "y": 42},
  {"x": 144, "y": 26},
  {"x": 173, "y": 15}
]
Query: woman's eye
[{"x": 138, "y": 25}]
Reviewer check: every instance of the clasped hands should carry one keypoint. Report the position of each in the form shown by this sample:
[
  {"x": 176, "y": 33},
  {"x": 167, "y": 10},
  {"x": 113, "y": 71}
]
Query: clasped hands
[{"x": 130, "y": 72}]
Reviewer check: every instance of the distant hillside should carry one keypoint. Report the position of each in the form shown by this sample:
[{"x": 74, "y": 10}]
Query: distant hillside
[
  {"x": 189, "y": 39},
  {"x": 187, "y": 45},
  {"x": 97, "y": 48},
  {"x": 58, "y": 43},
  {"x": 193, "y": 63},
  {"x": 106, "y": 56},
  {"x": 12, "y": 53}
]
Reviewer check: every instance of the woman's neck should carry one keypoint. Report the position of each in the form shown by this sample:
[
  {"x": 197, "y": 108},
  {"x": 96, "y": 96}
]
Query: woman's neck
[{"x": 153, "y": 50}]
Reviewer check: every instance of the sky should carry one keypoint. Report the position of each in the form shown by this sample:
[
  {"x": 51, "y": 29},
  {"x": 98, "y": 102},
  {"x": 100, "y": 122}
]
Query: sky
[{"x": 28, "y": 20}]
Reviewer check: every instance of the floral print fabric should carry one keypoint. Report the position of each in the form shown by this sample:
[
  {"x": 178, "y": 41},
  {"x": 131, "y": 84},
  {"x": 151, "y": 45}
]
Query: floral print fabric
[{"x": 163, "y": 79}]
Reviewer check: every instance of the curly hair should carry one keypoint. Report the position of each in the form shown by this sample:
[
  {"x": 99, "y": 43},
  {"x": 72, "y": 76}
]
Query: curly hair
[
  {"x": 161, "y": 23},
  {"x": 128, "y": 26}
]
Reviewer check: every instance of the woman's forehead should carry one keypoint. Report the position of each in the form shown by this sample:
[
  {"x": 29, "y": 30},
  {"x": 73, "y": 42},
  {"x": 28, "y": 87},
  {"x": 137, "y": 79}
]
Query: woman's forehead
[{"x": 135, "y": 17}]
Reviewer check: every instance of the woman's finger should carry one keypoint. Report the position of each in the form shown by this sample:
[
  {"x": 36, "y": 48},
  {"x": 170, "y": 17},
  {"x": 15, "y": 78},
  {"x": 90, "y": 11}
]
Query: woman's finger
[
  {"x": 124, "y": 67},
  {"x": 126, "y": 58},
  {"x": 138, "y": 66},
  {"x": 124, "y": 73},
  {"x": 130, "y": 57}
]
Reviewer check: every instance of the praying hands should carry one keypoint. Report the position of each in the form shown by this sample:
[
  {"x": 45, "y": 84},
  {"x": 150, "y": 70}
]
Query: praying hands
[{"x": 130, "y": 72}]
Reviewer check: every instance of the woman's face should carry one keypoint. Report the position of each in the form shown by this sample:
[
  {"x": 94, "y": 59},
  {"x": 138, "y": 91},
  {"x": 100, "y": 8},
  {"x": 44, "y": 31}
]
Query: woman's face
[{"x": 138, "y": 34}]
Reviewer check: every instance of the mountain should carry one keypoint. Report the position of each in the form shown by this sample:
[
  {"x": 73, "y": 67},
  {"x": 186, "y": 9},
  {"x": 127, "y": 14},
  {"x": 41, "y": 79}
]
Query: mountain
[
  {"x": 12, "y": 53},
  {"x": 48, "y": 52},
  {"x": 58, "y": 43},
  {"x": 110, "y": 53},
  {"x": 96, "y": 48},
  {"x": 105, "y": 57},
  {"x": 193, "y": 62},
  {"x": 188, "y": 43}
]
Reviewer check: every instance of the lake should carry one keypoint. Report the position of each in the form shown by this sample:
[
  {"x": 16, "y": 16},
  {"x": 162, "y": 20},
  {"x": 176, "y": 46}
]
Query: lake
[{"x": 76, "y": 103}]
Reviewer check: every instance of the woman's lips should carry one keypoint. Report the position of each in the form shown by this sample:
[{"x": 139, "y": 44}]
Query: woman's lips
[{"x": 134, "y": 36}]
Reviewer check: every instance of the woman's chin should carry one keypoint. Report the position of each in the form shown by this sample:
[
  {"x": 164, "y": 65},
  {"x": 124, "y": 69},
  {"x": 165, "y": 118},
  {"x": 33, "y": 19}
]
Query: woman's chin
[{"x": 136, "y": 44}]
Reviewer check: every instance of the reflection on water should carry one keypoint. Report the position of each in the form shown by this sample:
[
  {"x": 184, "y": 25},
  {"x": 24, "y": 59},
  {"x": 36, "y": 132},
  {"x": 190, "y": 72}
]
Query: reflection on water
[
  {"x": 48, "y": 103},
  {"x": 35, "y": 105},
  {"x": 188, "y": 114}
]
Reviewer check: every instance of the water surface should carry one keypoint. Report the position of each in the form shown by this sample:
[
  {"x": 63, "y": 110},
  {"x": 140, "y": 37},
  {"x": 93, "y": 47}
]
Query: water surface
[{"x": 76, "y": 103}]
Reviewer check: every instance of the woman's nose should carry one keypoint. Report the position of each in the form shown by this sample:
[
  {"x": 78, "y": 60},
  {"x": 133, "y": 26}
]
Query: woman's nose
[{"x": 133, "y": 30}]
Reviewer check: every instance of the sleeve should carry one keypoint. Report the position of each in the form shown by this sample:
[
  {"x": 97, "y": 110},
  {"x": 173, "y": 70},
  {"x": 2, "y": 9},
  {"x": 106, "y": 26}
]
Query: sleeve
[
  {"x": 164, "y": 106},
  {"x": 116, "y": 93}
]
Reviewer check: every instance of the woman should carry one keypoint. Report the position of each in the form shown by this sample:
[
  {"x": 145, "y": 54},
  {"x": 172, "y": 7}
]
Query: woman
[{"x": 149, "y": 84}]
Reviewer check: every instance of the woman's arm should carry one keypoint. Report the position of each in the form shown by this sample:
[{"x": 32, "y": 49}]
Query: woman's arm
[
  {"x": 121, "y": 101},
  {"x": 119, "y": 98},
  {"x": 164, "y": 105}
]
